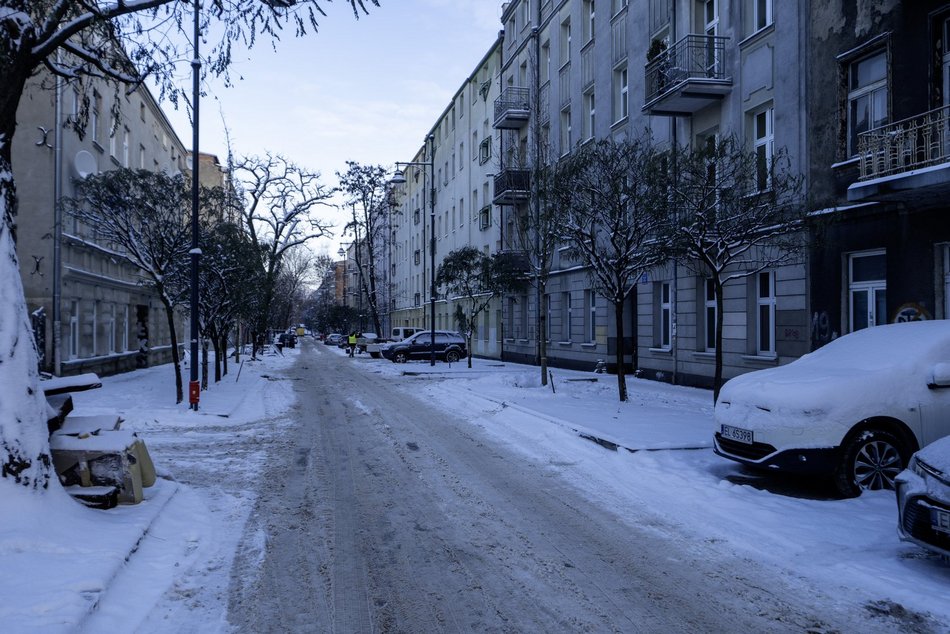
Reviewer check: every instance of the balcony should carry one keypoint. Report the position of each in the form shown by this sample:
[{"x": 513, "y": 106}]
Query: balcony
[
  {"x": 687, "y": 77},
  {"x": 512, "y": 108},
  {"x": 512, "y": 186},
  {"x": 905, "y": 161},
  {"x": 517, "y": 261}
]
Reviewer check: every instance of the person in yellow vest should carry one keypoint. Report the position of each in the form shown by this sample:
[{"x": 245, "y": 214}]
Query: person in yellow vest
[{"x": 351, "y": 342}]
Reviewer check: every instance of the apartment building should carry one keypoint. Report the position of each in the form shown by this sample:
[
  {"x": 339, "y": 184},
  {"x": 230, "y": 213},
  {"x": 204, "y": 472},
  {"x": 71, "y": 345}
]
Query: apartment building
[
  {"x": 879, "y": 164},
  {"x": 90, "y": 313},
  {"x": 448, "y": 194},
  {"x": 682, "y": 71}
]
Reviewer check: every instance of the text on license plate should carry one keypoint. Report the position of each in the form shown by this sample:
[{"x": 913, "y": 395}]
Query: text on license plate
[
  {"x": 736, "y": 433},
  {"x": 940, "y": 520}
]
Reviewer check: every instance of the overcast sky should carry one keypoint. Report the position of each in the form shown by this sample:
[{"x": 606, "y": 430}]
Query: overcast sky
[{"x": 366, "y": 90}]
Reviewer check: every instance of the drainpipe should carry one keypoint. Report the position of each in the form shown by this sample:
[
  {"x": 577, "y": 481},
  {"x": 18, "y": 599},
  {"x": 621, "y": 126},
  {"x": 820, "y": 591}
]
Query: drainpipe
[{"x": 58, "y": 227}]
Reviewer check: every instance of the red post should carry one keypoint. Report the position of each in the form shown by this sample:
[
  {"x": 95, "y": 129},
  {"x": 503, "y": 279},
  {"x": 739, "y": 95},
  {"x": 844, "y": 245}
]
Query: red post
[{"x": 194, "y": 392}]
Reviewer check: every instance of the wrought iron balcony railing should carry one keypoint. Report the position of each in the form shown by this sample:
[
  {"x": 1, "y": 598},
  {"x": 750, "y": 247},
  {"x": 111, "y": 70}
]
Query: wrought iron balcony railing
[
  {"x": 512, "y": 186},
  {"x": 512, "y": 108},
  {"x": 903, "y": 146},
  {"x": 695, "y": 58}
]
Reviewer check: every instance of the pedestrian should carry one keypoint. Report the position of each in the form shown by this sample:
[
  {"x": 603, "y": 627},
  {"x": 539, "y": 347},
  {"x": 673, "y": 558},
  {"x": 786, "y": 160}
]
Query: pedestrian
[{"x": 351, "y": 342}]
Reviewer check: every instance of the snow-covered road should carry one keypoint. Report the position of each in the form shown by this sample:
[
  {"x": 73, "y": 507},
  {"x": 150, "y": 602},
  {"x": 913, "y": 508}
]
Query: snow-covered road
[{"x": 384, "y": 512}]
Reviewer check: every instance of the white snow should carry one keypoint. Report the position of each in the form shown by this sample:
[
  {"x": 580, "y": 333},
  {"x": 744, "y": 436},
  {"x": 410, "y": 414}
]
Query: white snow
[{"x": 63, "y": 567}]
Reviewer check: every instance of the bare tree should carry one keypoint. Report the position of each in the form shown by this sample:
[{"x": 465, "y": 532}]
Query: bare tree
[
  {"x": 734, "y": 214},
  {"x": 366, "y": 189},
  {"x": 280, "y": 200},
  {"x": 142, "y": 216},
  {"x": 122, "y": 40},
  {"x": 475, "y": 278},
  {"x": 610, "y": 198}
]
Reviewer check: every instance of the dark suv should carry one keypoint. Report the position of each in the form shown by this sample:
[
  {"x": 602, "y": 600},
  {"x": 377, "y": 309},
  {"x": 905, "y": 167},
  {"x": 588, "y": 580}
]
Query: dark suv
[{"x": 449, "y": 346}]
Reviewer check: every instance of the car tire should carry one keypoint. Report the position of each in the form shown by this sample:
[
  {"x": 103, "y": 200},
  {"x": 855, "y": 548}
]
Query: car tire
[
  {"x": 870, "y": 460},
  {"x": 452, "y": 356},
  {"x": 400, "y": 357}
]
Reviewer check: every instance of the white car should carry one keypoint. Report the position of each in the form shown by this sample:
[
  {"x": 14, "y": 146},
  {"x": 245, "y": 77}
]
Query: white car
[
  {"x": 856, "y": 409},
  {"x": 923, "y": 499}
]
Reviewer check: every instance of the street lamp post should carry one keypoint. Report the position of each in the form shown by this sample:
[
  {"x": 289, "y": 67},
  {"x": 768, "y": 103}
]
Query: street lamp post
[
  {"x": 194, "y": 388},
  {"x": 399, "y": 178}
]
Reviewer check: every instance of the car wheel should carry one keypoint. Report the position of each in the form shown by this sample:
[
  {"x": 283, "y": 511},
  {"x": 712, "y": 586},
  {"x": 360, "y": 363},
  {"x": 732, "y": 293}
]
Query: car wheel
[
  {"x": 452, "y": 356},
  {"x": 400, "y": 357},
  {"x": 871, "y": 460}
]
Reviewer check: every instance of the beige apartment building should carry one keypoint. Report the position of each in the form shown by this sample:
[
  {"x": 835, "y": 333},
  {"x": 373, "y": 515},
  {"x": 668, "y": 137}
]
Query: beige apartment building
[{"x": 90, "y": 312}]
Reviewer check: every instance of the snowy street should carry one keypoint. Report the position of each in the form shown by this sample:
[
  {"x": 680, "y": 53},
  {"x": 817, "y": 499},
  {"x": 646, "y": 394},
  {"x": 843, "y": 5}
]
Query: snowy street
[{"x": 319, "y": 493}]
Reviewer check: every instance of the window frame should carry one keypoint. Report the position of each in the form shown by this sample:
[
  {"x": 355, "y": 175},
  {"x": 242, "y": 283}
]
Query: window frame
[
  {"x": 866, "y": 91},
  {"x": 765, "y": 302}
]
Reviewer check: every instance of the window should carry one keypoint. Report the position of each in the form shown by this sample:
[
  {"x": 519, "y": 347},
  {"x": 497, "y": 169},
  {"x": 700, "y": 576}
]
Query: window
[
  {"x": 124, "y": 330},
  {"x": 110, "y": 328},
  {"x": 94, "y": 116},
  {"x": 867, "y": 289},
  {"x": 484, "y": 217},
  {"x": 461, "y": 156},
  {"x": 764, "y": 148},
  {"x": 565, "y": 43},
  {"x": 590, "y": 299},
  {"x": 512, "y": 304},
  {"x": 867, "y": 97},
  {"x": 141, "y": 157},
  {"x": 709, "y": 308},
  {"x": 113, "y": 141},
  {"x": 589, "y": 20},
  {"x": 546, "y": 61},
  {"x": 566, "y": 140},
  {"x": 548, "y": 316},
  {"x": 621, "y": 94},
  {"x": 484, "y": 151},
  {"x": 765, "y": 313},
  {"x": 525, "y": 12},
  {"x": 142, "y": 111},
  {"x": 566, "y": 317},
  {"x": 762, "y": 13},
  {"x": 618, "y": 5},
  {"x": 125, "y": 147},
  {"x": 474, "y": 146},
  {"x": 591, "y": 119},
  {"x": 73, "y": 329},
  {"x": 665, "y": 316}
]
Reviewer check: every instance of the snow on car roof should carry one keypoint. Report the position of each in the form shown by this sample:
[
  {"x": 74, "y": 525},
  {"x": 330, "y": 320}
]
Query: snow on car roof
[{"x": 895, "y": 357}]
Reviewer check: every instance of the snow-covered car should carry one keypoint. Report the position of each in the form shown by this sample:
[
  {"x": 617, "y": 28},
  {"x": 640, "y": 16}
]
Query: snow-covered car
[
  {"x": 923, "y": 499},
  {"x": 854, "y": 410}
]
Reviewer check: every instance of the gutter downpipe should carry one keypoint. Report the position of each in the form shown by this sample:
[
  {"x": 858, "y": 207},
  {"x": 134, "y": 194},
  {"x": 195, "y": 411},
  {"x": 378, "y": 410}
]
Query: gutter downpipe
[{"x": 58, "y": 227}]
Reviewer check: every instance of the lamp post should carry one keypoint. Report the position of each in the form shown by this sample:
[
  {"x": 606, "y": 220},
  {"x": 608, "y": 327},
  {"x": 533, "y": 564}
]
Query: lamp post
[
  {"x": 398, "y": 179},
  {"x": 194, "y": 388}
]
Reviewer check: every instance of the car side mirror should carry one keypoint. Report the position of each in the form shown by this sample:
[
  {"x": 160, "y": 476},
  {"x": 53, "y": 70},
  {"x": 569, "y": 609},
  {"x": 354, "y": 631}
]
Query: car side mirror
[{"x": 941, "y": 376}]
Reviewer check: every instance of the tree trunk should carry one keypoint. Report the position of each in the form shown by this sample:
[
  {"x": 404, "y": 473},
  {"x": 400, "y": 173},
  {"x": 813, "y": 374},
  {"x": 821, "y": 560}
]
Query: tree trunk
[
  {"x": 176, "y": 360},
  {"x": 204, "y": 363},
  {"x": 621, "y": 372},
  {"x": 24, "y": 438},
  {"x": 542, "y": 340},
  {"x": 717, "y": 381}
]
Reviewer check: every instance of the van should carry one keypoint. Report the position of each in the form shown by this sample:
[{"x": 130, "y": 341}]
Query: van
[{"x": 402, "y": 332}]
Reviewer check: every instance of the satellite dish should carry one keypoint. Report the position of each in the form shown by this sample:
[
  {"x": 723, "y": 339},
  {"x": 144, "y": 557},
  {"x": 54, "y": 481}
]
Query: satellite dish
[{"x": 84, "y": 164}]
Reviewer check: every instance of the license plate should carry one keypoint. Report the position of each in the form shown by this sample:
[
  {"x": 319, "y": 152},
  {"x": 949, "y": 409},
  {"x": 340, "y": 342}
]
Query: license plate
[
  {"x": 940, "y": 520},
  {"x": 737, "y": 434}
]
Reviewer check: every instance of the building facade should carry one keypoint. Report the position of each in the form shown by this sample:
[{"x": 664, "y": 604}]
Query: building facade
[
  {"x": 854, "y": 94},
  {"x": 879, "y": 164},
  {"x": 448, "y": 195},
  {"x": 90, "y": 312}
]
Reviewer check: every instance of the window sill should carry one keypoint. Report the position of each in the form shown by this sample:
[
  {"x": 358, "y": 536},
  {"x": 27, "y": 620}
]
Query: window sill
[
  {"x": 661, "y": 351},
  {"x": 589, "y": 346},
  {"x": 851, "y": 162},
  {"x": 761, "y": 359},
  {"x": 619, "y": 123},
  {"x": 99, "y": 147},
  {"x": 758, "y": 35},
  {"x": 705, "y": 354},
  {"x": 565, "y": 344}
]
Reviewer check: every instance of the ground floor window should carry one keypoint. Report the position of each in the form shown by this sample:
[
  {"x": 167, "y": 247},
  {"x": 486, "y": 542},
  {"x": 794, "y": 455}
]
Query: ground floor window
[
  {"x": 665, "y": 316},
  {"x": 73, "y": 329},
  {"x": 765, "y": 313},
  {"x": 590, "y": 299},
  {"x": 867, "y": 289},
  {"x": 709, "y": 311}
]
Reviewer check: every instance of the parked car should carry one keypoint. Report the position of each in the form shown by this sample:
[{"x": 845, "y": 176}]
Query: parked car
[
  {"x": 397, "y": 334},
  {"x": 449, "y": 346},
  {"x": 923, "y": 499},
  {"x": 333, "y": 339},
  {"x": 286, "y": 339},
  {"x": 854, "y": 410}
]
